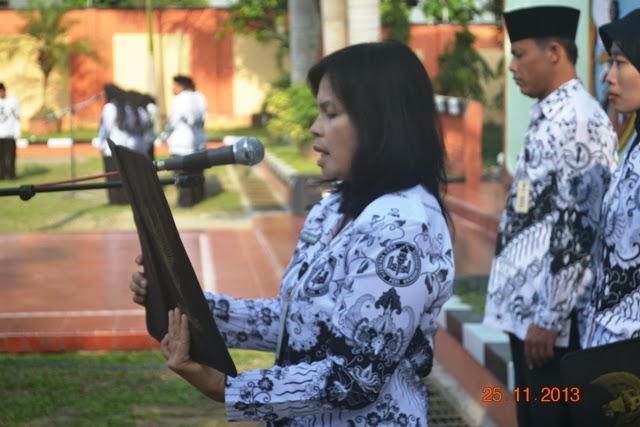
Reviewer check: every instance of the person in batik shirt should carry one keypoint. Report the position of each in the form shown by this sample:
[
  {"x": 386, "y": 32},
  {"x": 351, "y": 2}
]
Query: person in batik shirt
[
  {"x": 614, "y": 313},
  {"x": 353, "y": 325},
  {"x": 541, "y": 266}
]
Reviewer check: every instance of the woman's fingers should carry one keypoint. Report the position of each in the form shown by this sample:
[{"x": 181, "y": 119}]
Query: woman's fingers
[
  {"x": 138, "y": 286},
  {"x": 164, "y": 346}
]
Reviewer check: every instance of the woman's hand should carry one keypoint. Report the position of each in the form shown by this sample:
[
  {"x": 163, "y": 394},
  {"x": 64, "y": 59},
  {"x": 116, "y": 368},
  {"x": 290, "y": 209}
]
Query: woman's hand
[
  {"x": 175, "y": 348},
  {"x": 139, "y": 284},
  {"x": 177, "y": 343}
]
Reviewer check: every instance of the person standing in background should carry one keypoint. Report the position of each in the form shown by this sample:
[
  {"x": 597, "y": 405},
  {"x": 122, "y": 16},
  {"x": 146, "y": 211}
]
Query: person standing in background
[
  {"x": 614, "y": 311},
  {"x": 148, "y": 113},
  {"x": 185, "y": 134},
  {"x": 540, "y": 271},
  {"x": 9, "y": 133},
  {"x": 124, "y": 123}
]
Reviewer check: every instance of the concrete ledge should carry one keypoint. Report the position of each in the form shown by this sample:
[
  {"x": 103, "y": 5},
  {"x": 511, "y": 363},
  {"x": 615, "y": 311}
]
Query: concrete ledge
[
  {"x": 303, "y": 194},
  {"x": 59, "y": 142},
  {"x": 489, "y": 348},
  {"x": 456, "y": 319},
  {"x": 497, "y": 359},
  {"x": 474, "y": 378},
  {"x": 476, "y": 337}
]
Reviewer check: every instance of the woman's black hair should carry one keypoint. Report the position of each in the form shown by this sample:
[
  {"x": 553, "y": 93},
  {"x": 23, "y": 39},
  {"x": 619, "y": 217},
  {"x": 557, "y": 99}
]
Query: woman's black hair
[
  {"x": 127, "y": 115},
  {"x": 388, "y": 95}
]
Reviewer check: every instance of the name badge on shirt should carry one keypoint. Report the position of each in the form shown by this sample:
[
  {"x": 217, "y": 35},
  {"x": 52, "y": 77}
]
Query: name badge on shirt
[
  {"x": 522, "y": 196},
  {"x": 309, "y": 237}
]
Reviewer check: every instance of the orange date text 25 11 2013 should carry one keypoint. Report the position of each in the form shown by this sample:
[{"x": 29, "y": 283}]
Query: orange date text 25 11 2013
[{"x": 526, "y": 394}]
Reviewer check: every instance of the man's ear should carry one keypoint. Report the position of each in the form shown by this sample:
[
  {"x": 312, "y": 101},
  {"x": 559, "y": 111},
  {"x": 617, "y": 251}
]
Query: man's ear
[{"x": 555, "y": 51}]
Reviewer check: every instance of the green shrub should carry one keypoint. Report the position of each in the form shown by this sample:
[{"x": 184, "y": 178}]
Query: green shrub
[
  {"x": 293, "y": 111},
  {"x": 462, "y": 69}
]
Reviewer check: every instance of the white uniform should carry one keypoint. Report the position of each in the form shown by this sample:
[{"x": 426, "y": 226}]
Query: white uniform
[
  {"x": 184, "y": 132},
  {"x": 359, "y": 308},
  {"x": 150, "y": 117},
  {"x": 9, "y": 117},
  {"x": 130, "y": 137}
]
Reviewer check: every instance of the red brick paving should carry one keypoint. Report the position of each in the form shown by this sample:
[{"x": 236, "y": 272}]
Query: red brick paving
[{"x": 70, "y": 291}]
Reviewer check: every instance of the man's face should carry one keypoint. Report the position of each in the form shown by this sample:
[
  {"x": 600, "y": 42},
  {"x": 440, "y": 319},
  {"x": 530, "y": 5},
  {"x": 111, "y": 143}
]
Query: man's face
[
  {"x": 3, "y": 93},
  {"x": 177, "y": 88},
  {"x": 531, "y": 68}
]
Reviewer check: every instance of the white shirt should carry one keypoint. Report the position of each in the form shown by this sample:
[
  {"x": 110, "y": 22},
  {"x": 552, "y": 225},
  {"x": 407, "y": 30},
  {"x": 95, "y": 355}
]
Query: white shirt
[
  {"x": 538, "y": 273},
  {"x": 129, "y": 137},
  {"x": 615, "y": 312},
  {"x": 149, "y": 116},
  {"x": 360, "y": 307},
  {"x": 184, "y": 131},
  {"x": 9, "y": 117}
]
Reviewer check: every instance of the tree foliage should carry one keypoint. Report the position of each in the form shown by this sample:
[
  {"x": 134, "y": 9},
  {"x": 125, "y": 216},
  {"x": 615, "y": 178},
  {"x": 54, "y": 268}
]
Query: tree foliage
[
  {"x": 462, "y": 69},
  {"x": 46, "y": 25},
  {"x": 293, "y": 111},
  {"x": 263, "y": 20},
  {"x": 394, "y": 17},
  {"x": 453, "y": 11}
]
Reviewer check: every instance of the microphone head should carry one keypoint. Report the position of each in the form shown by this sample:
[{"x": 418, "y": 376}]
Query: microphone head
[{"x": 248, "y": 151}]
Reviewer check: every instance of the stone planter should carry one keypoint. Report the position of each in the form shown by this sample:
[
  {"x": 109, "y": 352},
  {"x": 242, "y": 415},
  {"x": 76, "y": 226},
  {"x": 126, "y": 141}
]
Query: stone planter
[
  {"x": 455, "y": 105},
  {"x": 441, "y": 103},
  {"x": 43, "y": 126}
]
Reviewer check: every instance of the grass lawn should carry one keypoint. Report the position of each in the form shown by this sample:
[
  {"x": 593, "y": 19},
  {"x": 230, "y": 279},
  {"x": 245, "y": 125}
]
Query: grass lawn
[
  {"x": 472, "y": 290},
  {"x": 107, "y": 389},
  {"x": 88, "y": 209}
]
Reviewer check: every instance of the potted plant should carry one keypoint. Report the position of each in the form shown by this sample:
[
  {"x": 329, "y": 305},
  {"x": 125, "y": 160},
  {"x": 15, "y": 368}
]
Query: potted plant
[
  {"x": 46, "y": 26},
  {"x": 44, "y": 121},
  {"x": 462, "y": 71}
]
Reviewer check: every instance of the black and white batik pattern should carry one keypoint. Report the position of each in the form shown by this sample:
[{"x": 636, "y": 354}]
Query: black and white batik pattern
[
  {"x": 615, "y": 314},
  {"x": 537, "y": 274},
  {"x": 360, "y": 309}
]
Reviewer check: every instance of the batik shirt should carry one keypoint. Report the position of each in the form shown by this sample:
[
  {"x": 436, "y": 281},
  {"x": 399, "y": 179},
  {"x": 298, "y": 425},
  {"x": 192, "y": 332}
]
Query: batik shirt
[
  {"x": 615, "y": 312},
  {"x": 537, "y": 274},
  {"x": 359, "y": 308}
]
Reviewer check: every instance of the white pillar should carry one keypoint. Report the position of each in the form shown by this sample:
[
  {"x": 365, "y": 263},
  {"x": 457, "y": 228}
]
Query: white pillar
[
  {"x": 334, "y": 25},
  {"x": 363, "y": 21}
]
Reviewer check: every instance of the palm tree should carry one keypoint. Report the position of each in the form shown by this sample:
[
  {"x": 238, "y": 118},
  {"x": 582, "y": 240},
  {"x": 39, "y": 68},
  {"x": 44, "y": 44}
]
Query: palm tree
[{"x": 46, "y": 26}]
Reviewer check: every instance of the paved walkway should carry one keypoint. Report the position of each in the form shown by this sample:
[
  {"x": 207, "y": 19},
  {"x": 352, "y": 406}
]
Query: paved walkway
[{"x": 68, "y": 291}]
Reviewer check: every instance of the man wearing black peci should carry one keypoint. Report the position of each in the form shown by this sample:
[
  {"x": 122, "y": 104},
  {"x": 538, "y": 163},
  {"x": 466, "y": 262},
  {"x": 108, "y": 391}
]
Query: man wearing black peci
[{"x": 547, "y": 229}]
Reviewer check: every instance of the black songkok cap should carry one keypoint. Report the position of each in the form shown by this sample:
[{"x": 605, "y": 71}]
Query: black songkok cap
[
  {"x": 625, "y": 33},
  {"x": 542, "y": 22}
]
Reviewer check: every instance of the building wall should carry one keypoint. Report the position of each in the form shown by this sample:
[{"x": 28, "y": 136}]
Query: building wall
[{"x": 233, "y": 72}]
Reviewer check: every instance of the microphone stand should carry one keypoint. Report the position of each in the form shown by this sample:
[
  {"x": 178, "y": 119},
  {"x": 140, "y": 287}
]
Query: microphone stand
[
  {"x": 70, "y": 111},
  {"x": 27, "y": 191}
]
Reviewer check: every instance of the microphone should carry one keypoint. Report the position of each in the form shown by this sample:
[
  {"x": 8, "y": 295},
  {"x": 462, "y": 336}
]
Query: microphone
[{"x": 247, "y": 151}]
